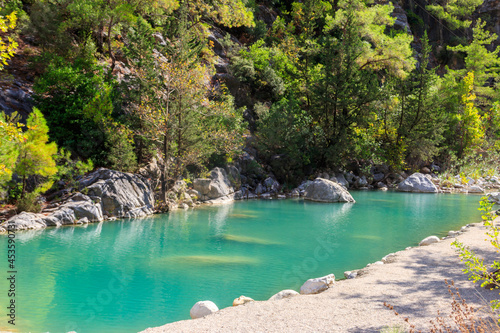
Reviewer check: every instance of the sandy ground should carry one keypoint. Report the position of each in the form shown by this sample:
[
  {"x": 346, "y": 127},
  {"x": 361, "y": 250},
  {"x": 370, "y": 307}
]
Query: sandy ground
[{"x": 413, "y": 282}]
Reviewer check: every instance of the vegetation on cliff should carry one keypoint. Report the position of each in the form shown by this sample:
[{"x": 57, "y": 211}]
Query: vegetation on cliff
[{"x": 322, "y": 83}]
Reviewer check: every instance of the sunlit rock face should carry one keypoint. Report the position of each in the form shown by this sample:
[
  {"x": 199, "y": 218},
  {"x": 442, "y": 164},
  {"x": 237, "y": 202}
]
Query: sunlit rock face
[{"x": 324, "y": 190}]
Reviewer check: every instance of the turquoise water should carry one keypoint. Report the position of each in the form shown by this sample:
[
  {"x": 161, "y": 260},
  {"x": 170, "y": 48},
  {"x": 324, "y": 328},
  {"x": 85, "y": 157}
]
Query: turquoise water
[{"x": 128, "y": 275}]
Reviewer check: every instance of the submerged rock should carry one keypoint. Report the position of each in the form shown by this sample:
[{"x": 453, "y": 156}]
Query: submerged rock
[
  {"x": 317, "y": 285},
  {"x": 284, "y": 294},
  {"x": 429, "y": 240},
  {"x": 417, "y": 183},
  {"x": 324, "y": 190},
  {"x": 202, "y": 309}
]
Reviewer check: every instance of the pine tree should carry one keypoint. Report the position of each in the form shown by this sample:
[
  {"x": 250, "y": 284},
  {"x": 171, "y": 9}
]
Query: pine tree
[{"x": 36, "y": 154}]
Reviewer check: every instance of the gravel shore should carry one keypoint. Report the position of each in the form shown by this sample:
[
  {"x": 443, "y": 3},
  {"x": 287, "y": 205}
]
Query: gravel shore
[{"x": 413, "y": 282}]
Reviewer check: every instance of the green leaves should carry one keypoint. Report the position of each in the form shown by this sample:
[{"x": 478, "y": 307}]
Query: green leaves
[
  {"x": 456, "y": 13},
  {"x": 475, "y": 267}
]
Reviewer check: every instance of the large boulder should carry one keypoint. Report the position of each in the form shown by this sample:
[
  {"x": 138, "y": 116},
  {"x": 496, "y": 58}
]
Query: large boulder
[
  {"x": 202, "y": 309},
  {"x": 217, "y": 187},
  {"x": 120, "y": 194},
  {"x": 317, "y": 285},
  {"x": 417, "y": 183},
  {"x": 25, "y": 221},
  {"x": 324, "y": 190}
]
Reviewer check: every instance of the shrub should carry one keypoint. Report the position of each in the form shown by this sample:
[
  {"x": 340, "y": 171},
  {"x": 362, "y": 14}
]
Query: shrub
[
  {"x": 475, "y": 267},
  {"x": 29, "y": 203}
]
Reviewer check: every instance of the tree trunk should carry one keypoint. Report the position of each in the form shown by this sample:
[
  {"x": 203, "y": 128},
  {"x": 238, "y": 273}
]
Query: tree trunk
[
  {"x": 164, "y": 173},
  {"x": 111, "y": 55}
]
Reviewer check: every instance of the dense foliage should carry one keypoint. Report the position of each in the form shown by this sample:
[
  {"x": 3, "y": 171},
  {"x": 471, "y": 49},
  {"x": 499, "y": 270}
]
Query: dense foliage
[{"x": 323, "y": 83}]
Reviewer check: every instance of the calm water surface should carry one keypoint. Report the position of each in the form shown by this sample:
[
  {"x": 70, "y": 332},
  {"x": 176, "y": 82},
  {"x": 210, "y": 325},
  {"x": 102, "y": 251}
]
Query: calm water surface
[{"x": 128, "y": 275}]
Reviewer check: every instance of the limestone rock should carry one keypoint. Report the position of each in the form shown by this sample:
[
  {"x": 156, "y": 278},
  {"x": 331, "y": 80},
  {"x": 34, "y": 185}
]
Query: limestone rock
[
  {"x": 324, "y": 190},
  {"x": 193, "y": 194},
  {"x": 350, "y": 274},
  {"x": 271, "y": 185},
  {"x": 494, "y": 197},
  {"x": 202, "y": 309},
  {"x": 284, "y": 294},
  {"x": 218, "y": 186},
  {"x": 417, "y": 183},
  {"x": 122, "y": 194},
  {"x": 25, "y": 221},
  {"x": 317, "y": 285},
  {"x": 242, "y": 300},
  {"x": 83, "y": 206},
  {"x": 475, "y": 189},
  {"x": 429, "y": 240},
  {"x": 361, "y": 182}
]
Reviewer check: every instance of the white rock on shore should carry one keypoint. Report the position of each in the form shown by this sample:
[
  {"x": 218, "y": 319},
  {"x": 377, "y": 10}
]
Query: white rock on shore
[
  {"x": 242, "y": 300},
  {"x": 284, "y": 294},
  {"x": 429, "y": 240},
  {"x": 317, "y": 285},
  {"x": 202, "y": 309}
]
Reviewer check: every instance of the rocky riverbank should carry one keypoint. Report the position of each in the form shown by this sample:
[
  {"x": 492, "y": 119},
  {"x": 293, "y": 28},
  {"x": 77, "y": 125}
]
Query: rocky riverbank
[
  {"x": 413, "y": 281},
  {"x": 102, "y": 195}
]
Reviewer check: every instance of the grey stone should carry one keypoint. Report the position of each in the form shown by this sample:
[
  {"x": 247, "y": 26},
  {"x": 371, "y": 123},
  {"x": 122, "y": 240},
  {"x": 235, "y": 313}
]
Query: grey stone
[
  {"x": 341, "y": 180},
  {"x": 217, "y": 187},
  {"x": 475, "y": 189},
  {"x": 284, "y": 294},
  {"x": 417, "y": 183},
  {"x": 317, "y": 285},
  {"x": 122, "y": 194},
  {"x": 324, "y": 190}
]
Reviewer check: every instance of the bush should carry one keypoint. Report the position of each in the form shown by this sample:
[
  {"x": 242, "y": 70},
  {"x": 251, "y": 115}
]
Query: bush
[{"x": 29, "y": 203}]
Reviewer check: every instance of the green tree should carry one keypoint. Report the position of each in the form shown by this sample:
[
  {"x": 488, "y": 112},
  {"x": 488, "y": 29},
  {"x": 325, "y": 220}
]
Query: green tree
[
  {"x": 62, "y": 94},
  {"x": 471, "y": 131},
  {"x": 36, "y": 154},
  {"x": 348, "y": 84},
  {"x": 456, "y": 13},
  {"x": 11, "y": 135},
  {"x": 413, "y": 119},
  {"x": 484, "y": 63}
]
